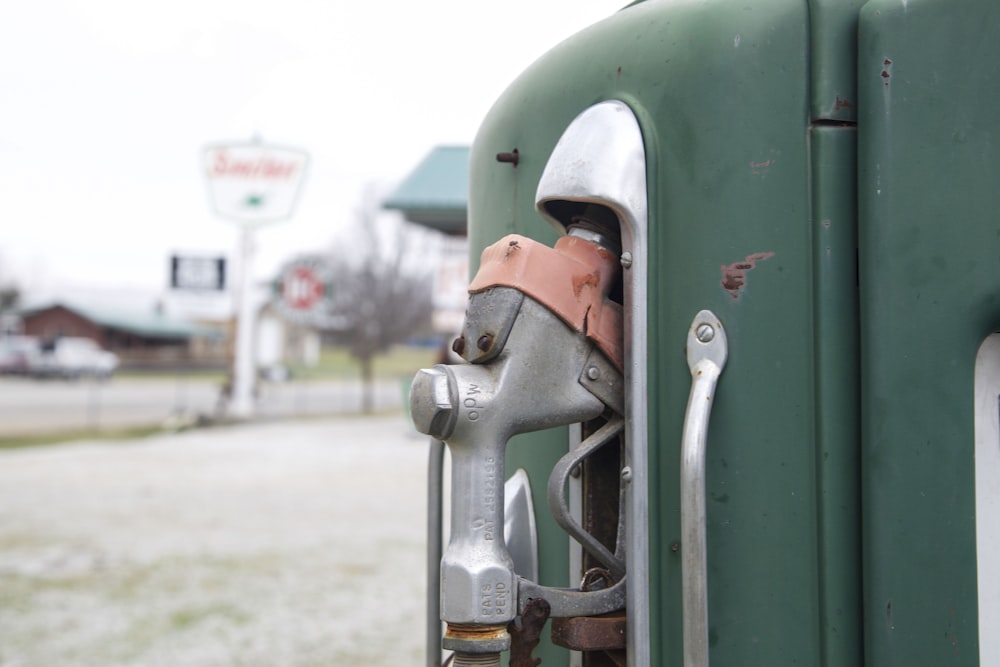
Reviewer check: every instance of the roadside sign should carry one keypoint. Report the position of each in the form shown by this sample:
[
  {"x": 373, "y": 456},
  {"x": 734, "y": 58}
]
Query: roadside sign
[
  {"x": 204, "y": 274},
  {"x": 251, "y": 184},
  {"x": 303, "y": 290},
  {"x": 254, "y": 183}
]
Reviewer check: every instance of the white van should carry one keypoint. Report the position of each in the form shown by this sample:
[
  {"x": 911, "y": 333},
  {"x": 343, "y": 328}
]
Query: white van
[{"x": 72, "y": 357}]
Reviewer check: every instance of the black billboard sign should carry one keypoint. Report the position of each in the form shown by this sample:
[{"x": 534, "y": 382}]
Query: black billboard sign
[{"x": 203, "y": 274}]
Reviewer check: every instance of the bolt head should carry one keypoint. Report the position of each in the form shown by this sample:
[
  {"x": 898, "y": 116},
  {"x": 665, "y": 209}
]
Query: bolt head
[
  {"x": 433, "y": 402},
  {"x": 705, "y": 333},
  {"x": 626, "y": 259},
  {"x": 485, "y": 342}
]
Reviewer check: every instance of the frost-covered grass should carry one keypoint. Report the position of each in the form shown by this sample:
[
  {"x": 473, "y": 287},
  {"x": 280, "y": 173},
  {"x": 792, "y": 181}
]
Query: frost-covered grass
[{"x": 291, "y": 544}]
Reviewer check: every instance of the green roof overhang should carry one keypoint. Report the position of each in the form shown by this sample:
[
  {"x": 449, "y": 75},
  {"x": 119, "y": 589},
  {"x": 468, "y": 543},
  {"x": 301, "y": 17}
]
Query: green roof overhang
[{"x": 436, "y": 193}]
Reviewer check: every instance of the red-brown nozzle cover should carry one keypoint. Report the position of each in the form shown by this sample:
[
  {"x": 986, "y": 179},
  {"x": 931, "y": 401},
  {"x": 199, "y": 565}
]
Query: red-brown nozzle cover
[{"x": 572, "y": 280}]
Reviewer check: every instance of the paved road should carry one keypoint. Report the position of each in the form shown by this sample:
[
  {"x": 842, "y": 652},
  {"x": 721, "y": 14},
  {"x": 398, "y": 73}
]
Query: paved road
[
  {"x": 29, "y": 406},
  {"x": 299, "y": 543}
]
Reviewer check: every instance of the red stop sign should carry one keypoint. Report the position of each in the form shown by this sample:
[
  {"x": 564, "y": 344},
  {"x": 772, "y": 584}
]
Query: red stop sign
[{"x": 301, "y": 288}]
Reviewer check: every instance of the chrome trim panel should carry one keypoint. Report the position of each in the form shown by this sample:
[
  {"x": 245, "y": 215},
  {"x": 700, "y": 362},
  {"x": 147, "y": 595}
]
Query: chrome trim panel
[
  {"x": 987, "y": 430},
  {"x": 601, "y": 159}
]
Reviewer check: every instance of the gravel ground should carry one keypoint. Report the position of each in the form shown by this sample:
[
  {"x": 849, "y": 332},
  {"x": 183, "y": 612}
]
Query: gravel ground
[{"x": 280, "y": 544}]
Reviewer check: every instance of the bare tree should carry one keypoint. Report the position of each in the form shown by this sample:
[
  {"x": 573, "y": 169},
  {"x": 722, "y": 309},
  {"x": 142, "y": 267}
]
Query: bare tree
[
  {"x": 10, "y": 291},
  {"x": 381, "y": 289},
  {"x": 10, "y": 297}
]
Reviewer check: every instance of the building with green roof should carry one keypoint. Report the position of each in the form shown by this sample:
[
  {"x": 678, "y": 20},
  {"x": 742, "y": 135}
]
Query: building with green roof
[
  {"x": 436, "y": 193},
  {"x": 138, "y": 337}
]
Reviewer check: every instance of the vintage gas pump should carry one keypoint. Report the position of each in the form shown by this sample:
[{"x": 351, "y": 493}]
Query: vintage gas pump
[
  {"x": 551, "y": 338},
  {"x": 813, "y": 182},
  {"x": 546, "y": 338}
]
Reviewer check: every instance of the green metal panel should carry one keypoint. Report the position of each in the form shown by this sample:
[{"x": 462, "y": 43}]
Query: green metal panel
[
  {"x": 721, "y": 93},
  {"x": 833, "y": 58},
  {"x": 929, "y": 83},
  {"x": 834, "y": 202}
]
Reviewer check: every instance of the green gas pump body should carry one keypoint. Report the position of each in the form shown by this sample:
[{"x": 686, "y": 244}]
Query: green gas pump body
[{"x": 820, "y": 176}]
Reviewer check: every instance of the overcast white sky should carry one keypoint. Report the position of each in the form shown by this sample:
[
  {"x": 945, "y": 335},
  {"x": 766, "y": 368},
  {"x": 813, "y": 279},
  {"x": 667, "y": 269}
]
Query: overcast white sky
[{"x": 106, "y": 106}]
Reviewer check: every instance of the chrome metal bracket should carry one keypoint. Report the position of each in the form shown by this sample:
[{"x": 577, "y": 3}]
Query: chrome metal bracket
[
  {"x": 600, "y": 160},
  {"x": 568, "y": 602},
  {"x": 560, "y": 508}
]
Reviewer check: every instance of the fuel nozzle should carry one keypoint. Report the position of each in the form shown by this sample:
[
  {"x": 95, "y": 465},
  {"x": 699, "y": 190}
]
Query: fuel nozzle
[{"x": 539, "y": 319}]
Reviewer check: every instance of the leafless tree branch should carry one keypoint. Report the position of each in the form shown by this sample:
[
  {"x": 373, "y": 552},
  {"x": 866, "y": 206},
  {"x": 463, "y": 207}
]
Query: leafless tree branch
[{"x": 382, "y": 283}]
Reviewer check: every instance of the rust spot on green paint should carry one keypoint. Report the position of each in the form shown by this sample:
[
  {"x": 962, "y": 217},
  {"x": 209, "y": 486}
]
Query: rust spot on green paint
[{"x": 734, "y": 276}]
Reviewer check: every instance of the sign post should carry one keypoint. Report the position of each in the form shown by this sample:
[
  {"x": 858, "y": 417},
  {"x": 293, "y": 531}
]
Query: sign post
[{"x": 251, "y": 184}]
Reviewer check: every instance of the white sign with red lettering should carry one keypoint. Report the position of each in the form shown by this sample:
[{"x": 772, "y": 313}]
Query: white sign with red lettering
[{"x": 253, "y": 183}]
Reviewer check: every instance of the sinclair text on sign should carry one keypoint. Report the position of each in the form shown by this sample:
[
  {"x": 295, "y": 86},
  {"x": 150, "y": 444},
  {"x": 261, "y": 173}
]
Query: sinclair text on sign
[{"x": 254, "y": 183}]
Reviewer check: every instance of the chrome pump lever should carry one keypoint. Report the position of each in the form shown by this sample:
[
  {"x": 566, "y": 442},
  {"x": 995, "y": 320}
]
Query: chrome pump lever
[{"x": 707, "y": 351}]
